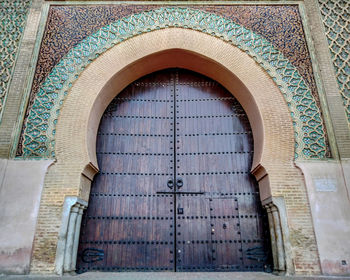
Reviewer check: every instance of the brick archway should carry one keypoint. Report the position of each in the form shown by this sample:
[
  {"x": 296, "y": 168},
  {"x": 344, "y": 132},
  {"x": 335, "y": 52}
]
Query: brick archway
[{"x": 261, "y": 98}]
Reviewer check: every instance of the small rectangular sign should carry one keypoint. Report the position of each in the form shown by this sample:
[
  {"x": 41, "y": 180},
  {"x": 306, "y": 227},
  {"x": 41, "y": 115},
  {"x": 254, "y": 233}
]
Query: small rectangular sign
[{"x": 325, "y": 185}]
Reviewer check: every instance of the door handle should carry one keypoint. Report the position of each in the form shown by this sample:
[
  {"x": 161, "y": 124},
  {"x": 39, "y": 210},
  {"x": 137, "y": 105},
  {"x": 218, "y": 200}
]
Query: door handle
[
  {"x": 179, "y": 183},
  {"x": 170, "y": 183}
]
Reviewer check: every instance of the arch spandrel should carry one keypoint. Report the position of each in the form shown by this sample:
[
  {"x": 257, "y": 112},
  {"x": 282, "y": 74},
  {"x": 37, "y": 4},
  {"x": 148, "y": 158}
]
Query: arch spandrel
[
  {"x": 105, "y": 77},
  {"x": 40, "y": 128}
]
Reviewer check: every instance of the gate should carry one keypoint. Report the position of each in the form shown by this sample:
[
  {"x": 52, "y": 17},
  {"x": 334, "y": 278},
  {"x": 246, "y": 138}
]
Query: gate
[{"x": 174, "y": 192}]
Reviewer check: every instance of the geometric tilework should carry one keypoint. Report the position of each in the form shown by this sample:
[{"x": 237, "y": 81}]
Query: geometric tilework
[
  {"x": 275, "y": 23},
  {"x": 39, "y": 129},
  {"x": 13, "y": 14},
  {"x": 279, "y": 24},
  {"x": 336, "y": 18}
]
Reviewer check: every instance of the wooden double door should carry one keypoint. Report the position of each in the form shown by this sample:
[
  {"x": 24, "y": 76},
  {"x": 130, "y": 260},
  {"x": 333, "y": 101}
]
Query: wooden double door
[{"x": 174, "y": 191}]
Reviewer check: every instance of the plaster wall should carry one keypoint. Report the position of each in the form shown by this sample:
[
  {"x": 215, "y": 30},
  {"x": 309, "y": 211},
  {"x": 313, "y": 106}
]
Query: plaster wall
[
  {"x": 20, "y": 192},
  {"x": 330, "y": 210}
]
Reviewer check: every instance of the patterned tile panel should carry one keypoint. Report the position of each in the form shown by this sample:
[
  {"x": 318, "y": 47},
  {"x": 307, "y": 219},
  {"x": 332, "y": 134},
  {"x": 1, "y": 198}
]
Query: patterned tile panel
[
  {"x": 336, "y": 18},
  {"x": 13, "y": 15},
  {"x": 61, "y": 32},
  {"x": 281, "y": 25},
  {"x": 39, "y": 131}
]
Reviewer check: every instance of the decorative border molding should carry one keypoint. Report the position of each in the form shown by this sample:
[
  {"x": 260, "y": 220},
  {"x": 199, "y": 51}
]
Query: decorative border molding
[
  {"x": 13, "y": 15},
  {"x": 39, "y": 131},
  {"x": 333, "y": 149},
  {"x": 335, "y": 15}
]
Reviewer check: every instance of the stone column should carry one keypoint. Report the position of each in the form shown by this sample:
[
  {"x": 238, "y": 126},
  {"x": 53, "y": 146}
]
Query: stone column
[
  {"x": 277, "y": 244},
  {"x": 279, "y": 239},
  {"x": 76, "y": 238},
  {"x": 68, "y": 240},
  {"x": 272, "y": 236}
]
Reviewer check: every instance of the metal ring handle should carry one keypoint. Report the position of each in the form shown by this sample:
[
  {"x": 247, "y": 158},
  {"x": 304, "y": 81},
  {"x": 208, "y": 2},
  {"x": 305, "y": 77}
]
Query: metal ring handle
[
  {"x": 179, "y": 182},
  {"x": 170, "y": 183}
]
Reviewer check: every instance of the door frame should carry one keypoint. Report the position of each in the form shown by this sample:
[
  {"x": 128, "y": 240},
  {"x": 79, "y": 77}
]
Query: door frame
[
  {"x": 105, "y": 77},
  {"x": 185, "y": 84}
]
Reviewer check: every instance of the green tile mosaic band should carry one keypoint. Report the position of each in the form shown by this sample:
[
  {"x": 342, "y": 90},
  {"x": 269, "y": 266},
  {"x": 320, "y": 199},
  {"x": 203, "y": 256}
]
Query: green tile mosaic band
[
  {"x": 39, "y": 131},
  {"x": 13, "y": 14},
  {"x": 336, "y": 18}
]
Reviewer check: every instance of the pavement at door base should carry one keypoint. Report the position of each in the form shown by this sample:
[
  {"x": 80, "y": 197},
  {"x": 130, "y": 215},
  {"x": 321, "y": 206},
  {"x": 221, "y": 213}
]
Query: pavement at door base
[{"x": 174, "y": 276}]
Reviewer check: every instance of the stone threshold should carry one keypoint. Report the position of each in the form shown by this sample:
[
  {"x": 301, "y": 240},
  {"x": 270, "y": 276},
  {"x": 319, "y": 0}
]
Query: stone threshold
[{"x": 172, "y": 276}]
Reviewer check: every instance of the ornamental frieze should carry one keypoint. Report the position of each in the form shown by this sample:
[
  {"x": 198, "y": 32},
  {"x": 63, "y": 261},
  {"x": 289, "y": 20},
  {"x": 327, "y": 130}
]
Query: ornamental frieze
[{"x": 39, "y": 128}]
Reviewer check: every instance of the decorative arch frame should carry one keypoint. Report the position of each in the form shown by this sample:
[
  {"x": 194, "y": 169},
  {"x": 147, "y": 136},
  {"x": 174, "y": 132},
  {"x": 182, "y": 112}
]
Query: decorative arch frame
[
  {"x": 39, "y": 131},
  {"x": 64, "y": 119},
  {"x": 265, "y": 106}
]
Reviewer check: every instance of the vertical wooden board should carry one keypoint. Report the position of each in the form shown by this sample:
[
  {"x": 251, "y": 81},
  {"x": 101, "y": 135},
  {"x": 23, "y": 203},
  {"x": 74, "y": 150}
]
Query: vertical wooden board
[
  {"x": 214, "y": 155},
  {"x": 254, "y": 234},
  {"x": 193, "y": 233},
  {"x": 226, "y": 233},
  {"x": 126, "y": 218}
]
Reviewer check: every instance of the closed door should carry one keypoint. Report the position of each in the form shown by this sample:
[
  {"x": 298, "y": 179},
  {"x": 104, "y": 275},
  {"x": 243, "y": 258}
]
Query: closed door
[{"x": 174, "y": 191}]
